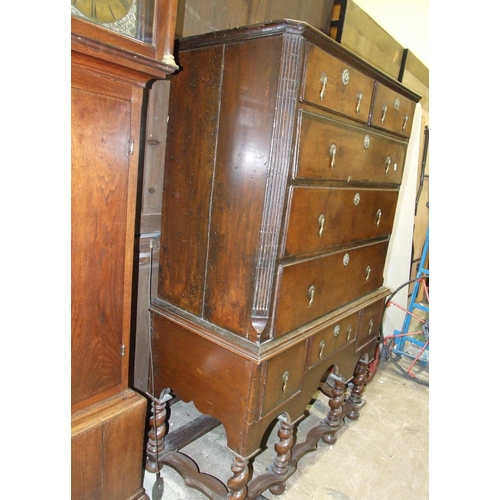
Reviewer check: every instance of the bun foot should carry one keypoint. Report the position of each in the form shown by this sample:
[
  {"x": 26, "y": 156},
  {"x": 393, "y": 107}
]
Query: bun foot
[
  {"x": 330, "y": 438},
  {"x": 278, "y": 489}
]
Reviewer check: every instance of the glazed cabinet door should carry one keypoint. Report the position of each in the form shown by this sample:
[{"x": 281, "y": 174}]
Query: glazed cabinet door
[{"x": 100, "y": 253}]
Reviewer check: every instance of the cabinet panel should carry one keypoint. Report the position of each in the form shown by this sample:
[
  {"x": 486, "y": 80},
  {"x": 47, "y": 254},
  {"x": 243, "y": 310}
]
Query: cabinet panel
[
  {"x": 106, "y": 449},
  {"x": 86, "y": 465},
  {"x": 99, "y": 209},
  {"x": 123, "y": 452}
]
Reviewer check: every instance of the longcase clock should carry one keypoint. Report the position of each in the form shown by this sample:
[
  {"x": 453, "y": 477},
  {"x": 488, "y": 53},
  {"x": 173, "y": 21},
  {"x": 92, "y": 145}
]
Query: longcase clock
[{"x": 117, "y": 47}]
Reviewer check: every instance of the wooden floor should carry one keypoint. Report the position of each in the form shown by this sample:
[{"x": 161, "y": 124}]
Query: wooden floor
[{"x": 383, "y": 455}]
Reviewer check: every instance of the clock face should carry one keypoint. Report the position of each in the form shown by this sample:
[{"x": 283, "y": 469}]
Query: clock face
[
  {"x": 103, "y": 11},
  {"x": 133, "y": 18}
]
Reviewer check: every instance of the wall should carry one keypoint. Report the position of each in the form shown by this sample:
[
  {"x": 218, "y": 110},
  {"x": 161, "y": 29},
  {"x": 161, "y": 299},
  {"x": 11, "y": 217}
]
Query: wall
[{"x": 406, "y": 20}]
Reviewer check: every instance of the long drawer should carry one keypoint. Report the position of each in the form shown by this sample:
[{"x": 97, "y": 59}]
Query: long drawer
[
  {"x": 312, "y": 288},
  {"x": 330, "y": 149},
  {"x": 321, "y": 218},
  {"x": 334, "y": 85}
]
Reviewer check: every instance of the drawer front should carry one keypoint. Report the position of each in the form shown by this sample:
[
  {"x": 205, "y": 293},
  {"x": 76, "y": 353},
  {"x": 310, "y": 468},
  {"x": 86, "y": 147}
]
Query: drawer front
[
  {"x": 330, "y": 339},
  {"x": 369, "y": 323},
  {"x": 335, "y": 85},
  {"x": 392, "y": 111},
  {"x": 333, "y": 150},
  {"x": 283, "y": 376},
  {"x": 311, "y": 288},
  {"x": 323, "y": 217}
]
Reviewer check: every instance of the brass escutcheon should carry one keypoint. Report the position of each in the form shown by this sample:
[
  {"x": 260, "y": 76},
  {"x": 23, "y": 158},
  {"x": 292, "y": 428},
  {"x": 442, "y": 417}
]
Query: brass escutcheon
[{"x": 345, "y": 76}]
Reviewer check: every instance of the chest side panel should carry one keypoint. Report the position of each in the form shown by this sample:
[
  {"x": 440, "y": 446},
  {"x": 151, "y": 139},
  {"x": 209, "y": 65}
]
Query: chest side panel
[
  {"x": 188, "y": 177},
  {"x": 245, "y": 168}
]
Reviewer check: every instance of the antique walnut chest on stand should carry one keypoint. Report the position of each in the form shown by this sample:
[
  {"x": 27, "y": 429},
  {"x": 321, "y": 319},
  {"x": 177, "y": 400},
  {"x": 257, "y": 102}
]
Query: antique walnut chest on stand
[{"x": 284, "y": 157}]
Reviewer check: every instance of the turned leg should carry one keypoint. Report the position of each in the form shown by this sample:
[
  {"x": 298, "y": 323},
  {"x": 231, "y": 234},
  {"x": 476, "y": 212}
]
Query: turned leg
[
  {"x": 334, "y": 417},
  {"x": 283, "y": 452},
  {"x": 355, "y": 400},
  {"x": 237, "y": 485},
  {"x": 156, "y": 435}
]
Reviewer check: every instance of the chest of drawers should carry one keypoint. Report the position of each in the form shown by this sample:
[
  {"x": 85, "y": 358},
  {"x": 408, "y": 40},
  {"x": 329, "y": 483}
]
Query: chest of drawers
[{"x": 284, "y": 157}]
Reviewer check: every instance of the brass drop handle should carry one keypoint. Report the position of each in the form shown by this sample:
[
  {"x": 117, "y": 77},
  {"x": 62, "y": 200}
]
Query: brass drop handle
[
  {"x": 370, "y": 326},
  {"x": 333, "y": 154},
  {"x": 349, "y": 331},
  {"x": 358, "y": 103},
  {"x": 321, "y": 349},
  {"x": 384, "y": 113},
  {"x": 388, "y": 162},
  {"x": 379, "y": 216},
  {"x": 284, "y": 378},
  {"x": 310, "y": 295},
  {"x": 405, "y": 121},
  {"x": 321, "y": 222},
  {"x": 368, "y": 271},
  {"x": 324, "y": 80}
]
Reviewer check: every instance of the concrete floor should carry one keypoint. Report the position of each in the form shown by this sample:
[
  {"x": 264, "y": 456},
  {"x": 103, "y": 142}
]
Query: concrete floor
[{"x": 384, "y": 455}]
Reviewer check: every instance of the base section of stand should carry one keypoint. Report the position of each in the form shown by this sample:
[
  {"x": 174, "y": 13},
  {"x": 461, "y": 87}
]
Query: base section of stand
[{"x": 273, "y": 479}]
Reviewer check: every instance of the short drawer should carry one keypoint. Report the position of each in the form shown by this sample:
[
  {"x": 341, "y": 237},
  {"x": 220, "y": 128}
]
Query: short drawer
[
  {"x": 369, "y": 323},
  {"x": 392, "y": 111},
  {"x": 312, "y": 288},
  {"x": 283, "y": 376},
  {"x": 330, "y": 339},
  {"x": 330, "y": 149},
  {"x": 321, "y": 218},
  {"x": 335, "y": 85}
]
